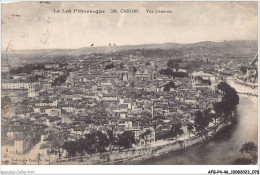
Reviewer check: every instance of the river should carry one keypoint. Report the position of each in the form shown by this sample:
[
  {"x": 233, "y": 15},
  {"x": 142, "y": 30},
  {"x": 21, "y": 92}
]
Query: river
[{"x": 224, "y": 148}]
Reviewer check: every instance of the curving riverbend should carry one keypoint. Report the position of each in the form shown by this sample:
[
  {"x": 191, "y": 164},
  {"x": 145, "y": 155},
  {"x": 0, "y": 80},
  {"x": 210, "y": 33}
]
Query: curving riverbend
[{"x": 224, "y": 148}]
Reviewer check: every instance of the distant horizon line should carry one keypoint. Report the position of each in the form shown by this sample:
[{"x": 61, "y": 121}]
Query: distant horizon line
[{"x": 215, "y": 41}]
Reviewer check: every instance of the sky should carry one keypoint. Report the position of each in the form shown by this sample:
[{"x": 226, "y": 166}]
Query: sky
[{"x": 34, "y": 25}]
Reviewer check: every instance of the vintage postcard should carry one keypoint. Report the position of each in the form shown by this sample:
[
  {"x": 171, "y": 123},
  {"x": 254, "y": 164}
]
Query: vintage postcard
[{"x": 129, "y": 83}]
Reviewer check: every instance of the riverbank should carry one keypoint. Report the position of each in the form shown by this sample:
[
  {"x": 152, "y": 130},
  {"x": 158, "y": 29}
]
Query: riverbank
[
  {"x": 134, "y": 155},
  {"x": 180, "y": 155}
]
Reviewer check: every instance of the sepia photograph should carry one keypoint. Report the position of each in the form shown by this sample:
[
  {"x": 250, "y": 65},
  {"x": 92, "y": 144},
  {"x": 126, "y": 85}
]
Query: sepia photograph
[{"x": 129, "y": 83}]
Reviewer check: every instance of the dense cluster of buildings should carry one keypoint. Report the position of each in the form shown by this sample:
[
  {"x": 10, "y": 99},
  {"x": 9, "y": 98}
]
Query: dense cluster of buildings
[{"x": 85, "y": 95}]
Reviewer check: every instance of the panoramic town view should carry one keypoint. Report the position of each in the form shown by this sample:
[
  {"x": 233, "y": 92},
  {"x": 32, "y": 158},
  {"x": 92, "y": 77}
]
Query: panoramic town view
[{"x": 147, "y": 104}]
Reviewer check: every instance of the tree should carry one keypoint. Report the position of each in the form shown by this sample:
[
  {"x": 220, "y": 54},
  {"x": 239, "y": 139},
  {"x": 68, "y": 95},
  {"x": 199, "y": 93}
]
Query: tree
[
  {"x": 174, "y": 63},
  {"x": 169, "y": 85},
  {"x": 101, "y": 141},
  {"x": 251, "y": 149},
  {"x": 190, "y": 128},
  {"x": 212, "y": 114},
  {"x": 159, "y": 117},
  {"x": 121, "y": 65},
  {"x": 175, "y": 131},
  {"x": 218, "y": 108},
  {"x": 243, "y": 69},
  {"x": 179, "y": 74},
  {"x": 89, "y": 143},
  {"x": 61, "y": 79},
  {"x": 208, "y": 82},
  {"x": 81, "y": 146},
  {"x": 38, "y": 158},
  {"x": 134, "y": 69},
  {"x": 109, "y": 66},
  {"x": 229, "y": 101},
  {"x": 146, "y": 114},
  {"x": 207, "y": 115},
  {"x": 110, "y": 136},
  {"x": 201, "y": 123},
  {"x": 56, "y": 142},
  {"x": 145, "y": 136},
  {"x": 96, "y": 142},
  {"x": 169, "y": 72},
  {"x": 230, "y": 94},
  {"x": 71, "y": 148},
  {"x": 29, "y": 68},
  {"x": 93, "y": 142},
  {"x": 166, "y": 71},
  {"x": 126, "y": 139}
]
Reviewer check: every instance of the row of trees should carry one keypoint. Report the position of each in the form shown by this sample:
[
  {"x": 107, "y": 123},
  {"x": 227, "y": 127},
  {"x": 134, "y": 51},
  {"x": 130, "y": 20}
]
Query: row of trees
[
  {"x": 222, "y": 110},
  {"x": 169, "y": 72},
  {"x": 190, "y": 66},
  {"x": 29, "y": 68},
  {"x": 200, "y": 125},
  {"x": 94, "y": 142},
  {"x": 98, "y": 142}
]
